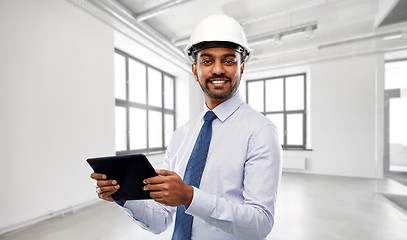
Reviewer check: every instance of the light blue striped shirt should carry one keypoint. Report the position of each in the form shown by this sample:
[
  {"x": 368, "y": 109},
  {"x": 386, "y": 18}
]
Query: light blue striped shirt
[{"x": 238, "y": 191}]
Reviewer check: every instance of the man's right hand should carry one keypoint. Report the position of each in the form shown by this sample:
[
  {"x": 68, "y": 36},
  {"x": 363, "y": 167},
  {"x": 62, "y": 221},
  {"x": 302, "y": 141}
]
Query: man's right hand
[{"x": 105, "y": 188}]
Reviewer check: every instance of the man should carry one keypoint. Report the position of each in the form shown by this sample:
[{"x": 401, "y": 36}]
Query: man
[{"x": 234, "y": 150}]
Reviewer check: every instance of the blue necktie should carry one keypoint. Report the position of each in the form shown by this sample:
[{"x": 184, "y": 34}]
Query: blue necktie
[{"x": 192, "y": 176}]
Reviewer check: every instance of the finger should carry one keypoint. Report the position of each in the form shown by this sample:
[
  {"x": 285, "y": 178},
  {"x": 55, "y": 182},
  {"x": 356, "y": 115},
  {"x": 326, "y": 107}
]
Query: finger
[
  {"x": 106, "y": 196},
  {"x": 157, "y": 195},
  {"x": 159, "y": 179},
  {"x": 163, "y": 172},
  {"x": 102, "y": 183},
  {"x": 98, "y": 176},
  {"x": 107, "y": 189},
  {"x": 154, "y": 180},
  {"x": 158, "y": 199},
  {"x": 154, "y": 187}
]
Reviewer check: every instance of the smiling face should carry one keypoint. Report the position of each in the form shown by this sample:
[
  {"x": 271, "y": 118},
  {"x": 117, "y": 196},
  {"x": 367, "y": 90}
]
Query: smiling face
[{"x": 218, "y": 71}]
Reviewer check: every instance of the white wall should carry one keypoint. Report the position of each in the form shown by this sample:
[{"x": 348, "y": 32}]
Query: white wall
[
  {"x": 345, "y": 110},
  {"x": 56, "y": 104}
]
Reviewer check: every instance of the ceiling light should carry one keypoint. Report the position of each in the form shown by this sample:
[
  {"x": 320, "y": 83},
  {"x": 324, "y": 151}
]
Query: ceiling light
[
  {"x": 389, "y": 37},
  {"x": 308, "y": 32},
  {"x": 307, "y": 28},
  {"x": 277, "y": 40}
]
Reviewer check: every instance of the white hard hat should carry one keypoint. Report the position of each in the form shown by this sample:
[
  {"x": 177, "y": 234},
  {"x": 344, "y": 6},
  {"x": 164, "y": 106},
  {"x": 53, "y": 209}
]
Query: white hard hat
[{"x": 218, "y": 31}]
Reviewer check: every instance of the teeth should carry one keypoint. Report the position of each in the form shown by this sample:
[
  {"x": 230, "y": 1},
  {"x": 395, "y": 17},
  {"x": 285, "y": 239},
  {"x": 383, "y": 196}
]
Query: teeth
[{"x": 217, "y": 82}]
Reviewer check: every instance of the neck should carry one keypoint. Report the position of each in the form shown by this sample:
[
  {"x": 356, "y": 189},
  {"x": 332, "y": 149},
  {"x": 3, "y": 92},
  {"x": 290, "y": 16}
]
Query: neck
[{"x": 213, "y": 103}]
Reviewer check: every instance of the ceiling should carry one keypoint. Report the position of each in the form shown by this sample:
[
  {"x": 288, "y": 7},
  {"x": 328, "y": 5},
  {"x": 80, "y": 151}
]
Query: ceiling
[{"x": 343, "y": 27}]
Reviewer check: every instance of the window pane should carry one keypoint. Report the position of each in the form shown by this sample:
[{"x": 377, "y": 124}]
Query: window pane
[
  {"x": 396, "y": 75},
  {"x": 295, "y": 93},
  {"x": 155, "y": 129},
  {"x": 137, "y": 82},
  {"x": 169, "y": 92},
  {"x": 121, "y": 135},
  {"x": 154, "y": 87},
  {"x": 278, "y": 120},
  {"x": 169, "y": 127},
  {"x": 398, "y": 134},
  {"x": 275, "y": 95},
  {"x": 138, "y": 128},
  {"x": 295, "y": 129},
  {"x": 256, "y": 95},
  {"x": 120, "y": 76}
]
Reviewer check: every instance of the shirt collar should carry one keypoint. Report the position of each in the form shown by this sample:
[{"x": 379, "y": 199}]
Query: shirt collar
[{"x": 227, "y": 108}]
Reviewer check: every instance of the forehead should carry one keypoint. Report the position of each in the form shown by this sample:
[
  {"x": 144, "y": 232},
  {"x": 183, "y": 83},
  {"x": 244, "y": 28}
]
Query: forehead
[{"x": 217, "y": 52}]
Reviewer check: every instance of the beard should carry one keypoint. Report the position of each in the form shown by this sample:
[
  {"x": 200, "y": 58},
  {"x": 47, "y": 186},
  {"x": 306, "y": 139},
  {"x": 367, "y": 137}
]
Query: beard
[{"x": 219, "y": 96}]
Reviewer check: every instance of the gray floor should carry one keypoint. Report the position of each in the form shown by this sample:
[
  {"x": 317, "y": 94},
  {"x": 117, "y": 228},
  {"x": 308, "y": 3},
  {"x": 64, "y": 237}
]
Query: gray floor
[{"x": 310, "y": 207}]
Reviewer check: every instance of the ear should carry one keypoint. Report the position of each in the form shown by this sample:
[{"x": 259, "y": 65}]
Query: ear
[
  {"x": 194, "y": 71},
  {"x": 242, "y": 68}
]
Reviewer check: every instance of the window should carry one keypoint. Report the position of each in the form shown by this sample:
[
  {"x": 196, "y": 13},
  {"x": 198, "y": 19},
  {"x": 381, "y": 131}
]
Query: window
[
  {"x": 283, "y": 100},
  {"x": 395, "y": 105},
  {"x": 145, "y": 108},
  {"x": 395, "y": 74}
]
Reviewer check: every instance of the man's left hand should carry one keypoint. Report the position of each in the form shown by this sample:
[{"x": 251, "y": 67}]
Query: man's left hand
[{"x": 169, "y": 189}]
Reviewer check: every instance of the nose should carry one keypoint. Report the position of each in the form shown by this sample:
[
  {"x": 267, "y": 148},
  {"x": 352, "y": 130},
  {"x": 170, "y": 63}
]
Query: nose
[{"x": 218, "y": 68}]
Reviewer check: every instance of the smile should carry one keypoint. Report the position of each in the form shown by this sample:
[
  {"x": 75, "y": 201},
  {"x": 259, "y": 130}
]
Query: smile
[{"x": 218, "y": 81}]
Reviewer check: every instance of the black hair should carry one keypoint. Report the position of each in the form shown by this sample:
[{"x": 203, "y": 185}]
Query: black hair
[{"x": 212, "y": 44}]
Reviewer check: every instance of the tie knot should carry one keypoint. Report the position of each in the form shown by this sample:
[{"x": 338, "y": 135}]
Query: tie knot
[{"x": 209, "y": 116}]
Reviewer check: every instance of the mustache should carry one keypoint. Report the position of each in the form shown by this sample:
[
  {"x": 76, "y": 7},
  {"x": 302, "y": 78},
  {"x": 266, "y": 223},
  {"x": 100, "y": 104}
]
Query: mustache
[{"x": 217, "y": 76}]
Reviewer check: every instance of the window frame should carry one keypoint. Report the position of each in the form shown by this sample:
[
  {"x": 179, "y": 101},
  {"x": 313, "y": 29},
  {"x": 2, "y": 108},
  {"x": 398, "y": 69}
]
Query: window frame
[
  {"x": 285, "y": 112},
  {"x": 127, "y": 104}
]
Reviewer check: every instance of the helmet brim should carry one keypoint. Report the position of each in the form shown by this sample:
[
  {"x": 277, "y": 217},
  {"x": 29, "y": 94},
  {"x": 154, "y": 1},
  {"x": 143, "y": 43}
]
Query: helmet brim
[{"x": 193, "y": 50}]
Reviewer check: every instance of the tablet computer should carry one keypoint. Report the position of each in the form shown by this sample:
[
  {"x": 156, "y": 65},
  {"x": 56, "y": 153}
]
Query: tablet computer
[{"x": 129, "y": 171}]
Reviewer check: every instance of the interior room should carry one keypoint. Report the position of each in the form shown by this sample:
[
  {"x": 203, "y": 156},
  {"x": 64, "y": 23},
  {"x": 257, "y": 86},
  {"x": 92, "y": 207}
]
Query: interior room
[{"x": 89, "y": 78}]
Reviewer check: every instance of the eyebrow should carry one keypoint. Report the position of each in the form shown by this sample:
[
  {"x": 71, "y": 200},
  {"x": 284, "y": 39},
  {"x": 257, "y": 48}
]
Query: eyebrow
[{"x": 225, "y": 55}]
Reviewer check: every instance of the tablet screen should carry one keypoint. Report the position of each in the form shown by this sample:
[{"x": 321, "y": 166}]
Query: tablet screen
[{"x": 129, "y": 171}]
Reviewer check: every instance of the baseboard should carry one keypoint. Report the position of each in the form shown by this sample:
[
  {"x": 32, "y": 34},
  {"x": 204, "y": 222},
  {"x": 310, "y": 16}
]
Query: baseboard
[{"x": 59, "y": 213}]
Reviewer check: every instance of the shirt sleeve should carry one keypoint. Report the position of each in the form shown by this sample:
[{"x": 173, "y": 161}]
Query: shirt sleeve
[
  {"x": 150, "y": 215},
  {"x": 254, "y": 217}
]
